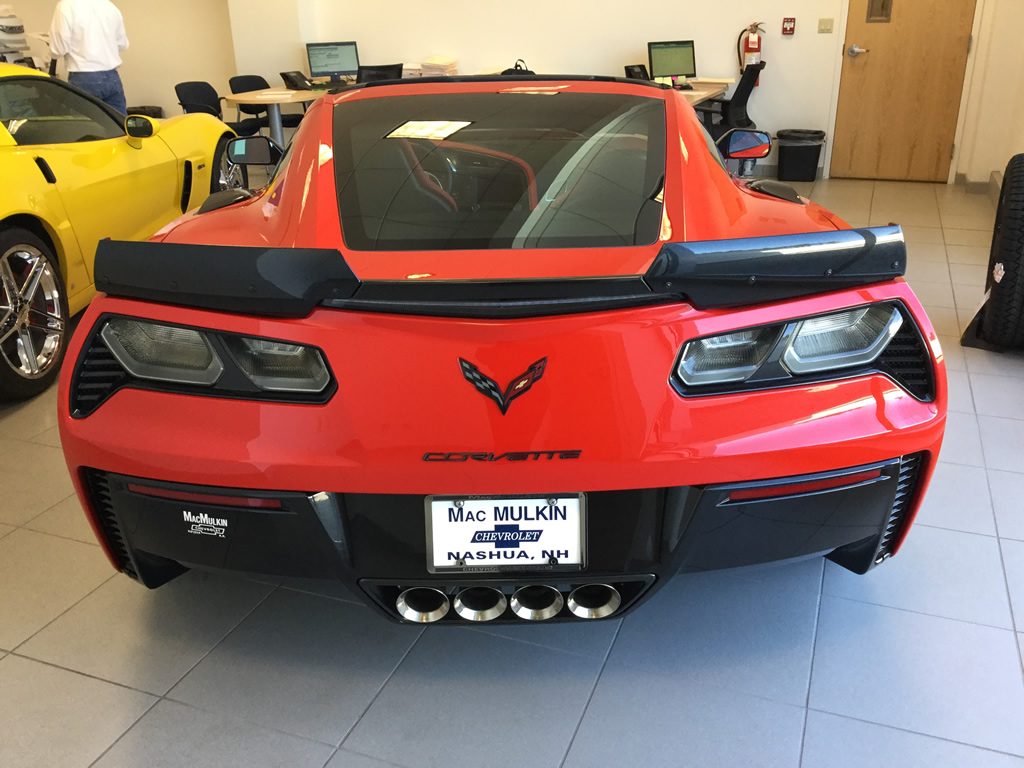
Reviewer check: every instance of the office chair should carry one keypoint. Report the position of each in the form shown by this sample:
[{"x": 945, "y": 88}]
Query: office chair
[
  {"x": 730, "y": 113},
  {"x": 198, "y": 96},
  {"x": 246, "y": 83},
  {"x": 637, "y": 72},
  {"x": 369, "y": 74}
]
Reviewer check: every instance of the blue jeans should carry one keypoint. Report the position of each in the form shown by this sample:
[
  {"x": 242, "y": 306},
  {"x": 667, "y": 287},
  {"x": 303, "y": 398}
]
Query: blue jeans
[{"x": 105, "y": 86}]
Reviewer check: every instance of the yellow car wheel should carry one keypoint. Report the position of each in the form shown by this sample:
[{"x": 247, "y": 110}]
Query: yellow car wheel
[{"x": 33, "y": 315}]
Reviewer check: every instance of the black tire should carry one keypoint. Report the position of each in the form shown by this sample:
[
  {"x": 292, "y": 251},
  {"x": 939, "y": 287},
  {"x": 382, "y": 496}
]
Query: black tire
[
  {"x": 1003, "y": 322},
  {"x": 219, "y": 176},
  {"x": 47, "y": 308}
]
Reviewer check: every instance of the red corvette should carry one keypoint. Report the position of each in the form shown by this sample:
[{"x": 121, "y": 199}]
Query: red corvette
[{"x": 502, "y": 349}]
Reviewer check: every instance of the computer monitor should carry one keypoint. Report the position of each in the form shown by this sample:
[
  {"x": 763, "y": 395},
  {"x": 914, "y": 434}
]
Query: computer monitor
[
  {"x": 673, "y": 58},
  {"x": 332, "y": 59}
]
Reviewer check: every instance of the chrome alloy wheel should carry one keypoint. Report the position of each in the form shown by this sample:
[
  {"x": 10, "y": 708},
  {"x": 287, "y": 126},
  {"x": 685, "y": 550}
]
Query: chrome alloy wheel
[{"x": 31, "y": 322}]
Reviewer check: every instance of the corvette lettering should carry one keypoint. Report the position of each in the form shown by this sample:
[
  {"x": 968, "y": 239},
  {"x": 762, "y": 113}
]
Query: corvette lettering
[{"x": 459, "y": 456}]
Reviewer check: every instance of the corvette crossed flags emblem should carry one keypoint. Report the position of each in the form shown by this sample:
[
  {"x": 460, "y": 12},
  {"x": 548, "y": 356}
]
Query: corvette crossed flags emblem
[{"x": 520, "y": 385}]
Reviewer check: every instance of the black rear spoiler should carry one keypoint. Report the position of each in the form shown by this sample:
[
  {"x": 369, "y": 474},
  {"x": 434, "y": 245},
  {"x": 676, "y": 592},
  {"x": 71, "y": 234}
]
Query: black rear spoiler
[{"x": 292, "y": 282}]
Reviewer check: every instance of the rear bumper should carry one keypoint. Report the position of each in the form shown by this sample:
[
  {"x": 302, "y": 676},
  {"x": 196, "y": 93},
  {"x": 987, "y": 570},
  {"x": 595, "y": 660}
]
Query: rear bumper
[{"x": 375, "y": 543}]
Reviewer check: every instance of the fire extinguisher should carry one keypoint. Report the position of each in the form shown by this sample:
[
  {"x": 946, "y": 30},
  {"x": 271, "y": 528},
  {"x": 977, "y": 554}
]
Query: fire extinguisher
[{"x": 749, "y": 45}]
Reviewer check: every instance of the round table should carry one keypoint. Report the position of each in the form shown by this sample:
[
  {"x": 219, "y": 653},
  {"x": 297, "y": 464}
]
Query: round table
[{"x": 272, "y": 99}]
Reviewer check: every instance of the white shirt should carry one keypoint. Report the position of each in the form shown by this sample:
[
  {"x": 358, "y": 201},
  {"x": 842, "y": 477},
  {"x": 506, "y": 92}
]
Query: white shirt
[{"x": 90, "y": 33}]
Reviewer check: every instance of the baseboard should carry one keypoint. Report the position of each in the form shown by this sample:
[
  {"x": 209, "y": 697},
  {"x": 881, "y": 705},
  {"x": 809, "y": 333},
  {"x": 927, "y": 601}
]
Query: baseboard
[{"x": 995, "y": 184}]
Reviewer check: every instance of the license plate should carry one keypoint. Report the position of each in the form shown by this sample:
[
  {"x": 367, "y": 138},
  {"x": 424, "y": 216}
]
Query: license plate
[{"x": 505, "y": 533}]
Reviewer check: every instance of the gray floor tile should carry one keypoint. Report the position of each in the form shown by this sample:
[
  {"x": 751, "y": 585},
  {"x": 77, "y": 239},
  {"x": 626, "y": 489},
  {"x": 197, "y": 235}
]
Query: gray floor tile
[
  {"x": 933, "y": 252},
  {"x": 1013, "y": 560},
  {"x": 920, "y": 236},
  {"x": 649, "y": 719},
  {"x": 5, "y": 529},
  {"x": 322, "y": 587},
  {"x": 944, "y": 320},
  {"x": 589, "y": 639},
  {"x": 1008, "y": 502},
  {"x": 50, "y": 437},
  {"x": 33, "y": 477},
  {"x": 42, "y": 576},
  {"x": 346, "y": 759},
  {"x": 749, "y": 633},
  {"x": 838, "y": 742},
  {"x": 960, "y": 398},
  {"x": 65, "y": 518},
  {"x": 920, "y": 270},
  {"x": 939, "y": 572},
  {"x": 980, "y": 221},
  {"x": 958, "y": 498},
  {"x": 1009, "y": 363},
  {"x": 968, "y": 297},
  {"x": 533, "y": 697},
  {"x": 934, "y": 294},
  {"x": 1003, "y": 443},
  {"x": 936, "y": 676},
  {"x": 146, "y": 639},
  {"x": 962, "y": 442},
  {"x": 173, "y": 735},
  {"x": 953, "y": 353},
  {"x": 999, "y": 396},
  {"x": 305, "y": 664},
  {"x": 55, "y": 718}
]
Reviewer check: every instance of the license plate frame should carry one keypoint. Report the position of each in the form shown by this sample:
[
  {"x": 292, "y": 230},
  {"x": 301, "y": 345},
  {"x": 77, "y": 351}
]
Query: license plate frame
[{"x": 510, "y": 566}]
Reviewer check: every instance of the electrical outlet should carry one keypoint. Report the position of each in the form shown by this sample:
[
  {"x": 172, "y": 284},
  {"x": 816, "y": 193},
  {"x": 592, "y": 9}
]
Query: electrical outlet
[{"x": 825, "y": 26}]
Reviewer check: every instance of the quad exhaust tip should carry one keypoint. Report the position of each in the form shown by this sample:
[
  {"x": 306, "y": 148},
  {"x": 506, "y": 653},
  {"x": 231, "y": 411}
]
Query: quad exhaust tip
[
  {"x": 594, "y": 601},
  {"x": 536, "y": 602},
  {"x": 480, "y": 603},
  {"x": 424, "y": 605}
]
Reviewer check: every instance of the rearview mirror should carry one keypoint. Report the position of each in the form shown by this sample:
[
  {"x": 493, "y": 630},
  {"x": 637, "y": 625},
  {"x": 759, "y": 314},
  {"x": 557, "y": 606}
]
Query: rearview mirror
[
  {"x": 140, "y": 126},
  {"x": 743, "y": 144},
  {"x": 254, "y": 150}
]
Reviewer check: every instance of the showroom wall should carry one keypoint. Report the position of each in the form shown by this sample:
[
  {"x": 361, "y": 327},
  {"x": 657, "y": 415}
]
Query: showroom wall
[
  {"x": 571, "y": 36},
  {"x": 994, "y": 125},
  {"x": 170, "y": 43}
]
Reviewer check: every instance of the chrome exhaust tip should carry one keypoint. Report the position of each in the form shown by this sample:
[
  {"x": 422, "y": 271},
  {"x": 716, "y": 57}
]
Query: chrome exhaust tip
[
  {"x": 480, "y": 603},
  {"x": 423, "y": 605},
  {"x": 536, "y": 602},
  {"x": 594, "y": 601}
]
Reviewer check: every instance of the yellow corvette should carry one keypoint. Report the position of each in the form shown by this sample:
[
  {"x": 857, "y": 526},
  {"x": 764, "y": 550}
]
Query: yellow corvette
[{"x": 74, "y": 172}]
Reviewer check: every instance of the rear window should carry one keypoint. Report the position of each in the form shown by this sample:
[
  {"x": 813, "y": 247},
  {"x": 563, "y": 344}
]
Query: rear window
[{"x": 499, "y": 170}]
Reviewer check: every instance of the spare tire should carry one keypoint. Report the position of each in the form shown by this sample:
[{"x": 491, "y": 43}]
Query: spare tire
[{"x": 1003, "y": 321}]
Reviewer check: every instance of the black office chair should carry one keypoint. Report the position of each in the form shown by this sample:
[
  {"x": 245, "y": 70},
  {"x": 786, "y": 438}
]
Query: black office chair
[
  {"x": 246, "y": 83},
  {"x": 369, "y": 74},
  {"x": 637, "y": 72},
  {"x": 721, "y": 115},
  {"x": 196, "y": 96}
]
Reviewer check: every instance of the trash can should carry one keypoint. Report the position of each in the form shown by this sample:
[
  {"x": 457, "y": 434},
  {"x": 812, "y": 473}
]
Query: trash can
[
  {"x": 799, "y": 150},
  {"x": 156, "y": 113}
]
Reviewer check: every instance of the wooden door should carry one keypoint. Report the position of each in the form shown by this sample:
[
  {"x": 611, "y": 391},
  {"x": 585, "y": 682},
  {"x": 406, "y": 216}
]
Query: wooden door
[{"x": 899, "y": 99}]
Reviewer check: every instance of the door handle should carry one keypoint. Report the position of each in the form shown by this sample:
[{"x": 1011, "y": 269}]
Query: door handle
[{"x": 855, "y": 50}]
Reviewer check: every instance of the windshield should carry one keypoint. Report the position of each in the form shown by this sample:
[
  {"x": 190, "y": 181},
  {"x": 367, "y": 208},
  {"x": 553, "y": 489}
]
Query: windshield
[{"x": 510, "y": 169}]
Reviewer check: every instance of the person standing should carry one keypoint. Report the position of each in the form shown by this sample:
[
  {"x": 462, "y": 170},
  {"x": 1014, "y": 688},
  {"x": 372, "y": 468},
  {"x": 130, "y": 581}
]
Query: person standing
[{"x": 90, "y": 35}]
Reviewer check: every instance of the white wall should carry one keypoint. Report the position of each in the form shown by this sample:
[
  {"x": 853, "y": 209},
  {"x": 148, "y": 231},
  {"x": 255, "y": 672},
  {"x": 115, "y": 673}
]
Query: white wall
[
  {"x": 266, "y": 37},
  {"x": 170, "y": 43},
  {"x": 993, "y": 127},
  {"x": 589, "y": 37}
]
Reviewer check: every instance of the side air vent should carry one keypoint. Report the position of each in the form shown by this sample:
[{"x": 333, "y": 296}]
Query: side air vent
[
  {"x": 907, "y": 361},
  {"x": 97, "y": 377},
  {"x": 186, "y": 186},
  {"x": 99, "y": 497},
  {"x": 906, "y": 487}
]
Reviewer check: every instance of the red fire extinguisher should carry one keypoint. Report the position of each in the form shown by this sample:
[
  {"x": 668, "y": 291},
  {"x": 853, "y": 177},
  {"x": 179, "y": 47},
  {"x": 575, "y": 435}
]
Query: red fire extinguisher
[{"x": 749, "y": 45}]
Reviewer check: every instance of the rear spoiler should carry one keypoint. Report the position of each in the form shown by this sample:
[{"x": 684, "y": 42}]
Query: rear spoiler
[{"x": 292, "y": 282}]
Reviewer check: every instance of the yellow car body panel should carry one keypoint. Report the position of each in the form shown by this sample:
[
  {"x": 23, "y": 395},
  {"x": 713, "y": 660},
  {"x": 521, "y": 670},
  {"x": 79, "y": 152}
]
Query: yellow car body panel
[{"x": 121, "y": 188}]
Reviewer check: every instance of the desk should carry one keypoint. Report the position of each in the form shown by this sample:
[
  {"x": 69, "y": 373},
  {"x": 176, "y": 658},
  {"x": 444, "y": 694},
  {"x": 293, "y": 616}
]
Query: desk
[
  {"x": 272, "y": 99},
  {"x": 704, "y": 91}
]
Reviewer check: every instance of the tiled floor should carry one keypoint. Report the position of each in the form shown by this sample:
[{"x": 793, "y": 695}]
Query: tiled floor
[{"x": 916, "y": 664}]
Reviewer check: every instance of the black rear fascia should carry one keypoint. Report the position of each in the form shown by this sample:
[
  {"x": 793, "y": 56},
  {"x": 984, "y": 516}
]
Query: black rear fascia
[{"x": 292, "y": 282}]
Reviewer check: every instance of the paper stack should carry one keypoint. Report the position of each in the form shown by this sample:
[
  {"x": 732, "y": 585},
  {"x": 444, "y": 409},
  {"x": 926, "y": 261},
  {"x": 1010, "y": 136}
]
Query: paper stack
[{"x": 439, "y": 66}]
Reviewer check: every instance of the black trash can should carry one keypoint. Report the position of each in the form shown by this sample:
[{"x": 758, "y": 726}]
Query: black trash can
[
  {"x": 799, "y": 150},
  {"x": 156, "y": 113}
]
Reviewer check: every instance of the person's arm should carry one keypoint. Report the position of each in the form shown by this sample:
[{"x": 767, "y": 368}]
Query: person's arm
[{"x": 60, "y": 32}]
